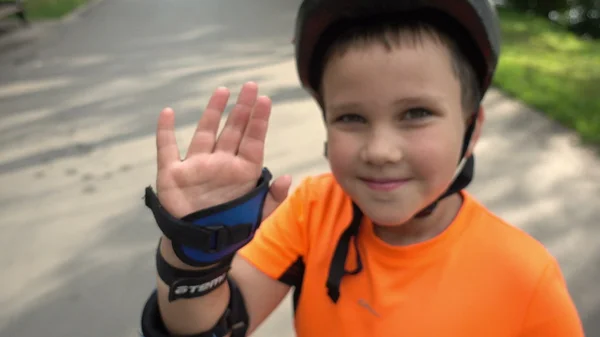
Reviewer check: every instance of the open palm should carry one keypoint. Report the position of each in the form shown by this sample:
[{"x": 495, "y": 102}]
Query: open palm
[{"x": 216, "y": 168}]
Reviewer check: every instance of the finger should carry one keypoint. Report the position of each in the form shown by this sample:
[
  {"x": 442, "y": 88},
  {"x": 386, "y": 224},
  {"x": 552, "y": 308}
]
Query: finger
[
  {"x": 204, "y": 137},
  {"x": 166, "y": 143},
  {"x": 252, "y": 145},
  {"x": 229, "y": 139},
  {"x": 278, "y": 192}
]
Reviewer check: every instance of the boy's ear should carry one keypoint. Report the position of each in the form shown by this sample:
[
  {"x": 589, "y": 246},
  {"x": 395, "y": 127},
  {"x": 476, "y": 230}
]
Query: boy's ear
[{"x": 477, "y": 132}]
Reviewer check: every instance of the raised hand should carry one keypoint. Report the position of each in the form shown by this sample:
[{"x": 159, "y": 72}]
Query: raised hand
[{"x": 216, "y": 168}]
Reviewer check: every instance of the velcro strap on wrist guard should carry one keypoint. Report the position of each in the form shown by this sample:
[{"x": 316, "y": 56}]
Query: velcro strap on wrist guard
[
  {"x": 216, "y": 233},
  {"x": 190, "y": 283}
]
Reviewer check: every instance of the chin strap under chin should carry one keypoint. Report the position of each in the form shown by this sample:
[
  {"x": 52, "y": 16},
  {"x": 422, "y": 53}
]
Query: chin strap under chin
[{"x": 462, "y": 180}]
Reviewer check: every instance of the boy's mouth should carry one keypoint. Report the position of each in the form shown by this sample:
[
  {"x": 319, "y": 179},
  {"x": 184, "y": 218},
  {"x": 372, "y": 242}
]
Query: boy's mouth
[{"x": 383, "y": 184}]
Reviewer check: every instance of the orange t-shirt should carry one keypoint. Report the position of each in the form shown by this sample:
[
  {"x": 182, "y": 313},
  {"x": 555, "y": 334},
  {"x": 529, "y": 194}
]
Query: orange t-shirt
[{"x": 480, "y": 277}]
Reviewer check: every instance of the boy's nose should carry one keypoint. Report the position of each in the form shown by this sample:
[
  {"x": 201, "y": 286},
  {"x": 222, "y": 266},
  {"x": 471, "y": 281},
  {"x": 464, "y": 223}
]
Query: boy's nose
[{"x": 381, "y": 150}]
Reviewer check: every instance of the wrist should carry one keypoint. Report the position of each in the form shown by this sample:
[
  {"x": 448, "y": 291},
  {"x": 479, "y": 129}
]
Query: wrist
[{"x": 186, "y": 282}]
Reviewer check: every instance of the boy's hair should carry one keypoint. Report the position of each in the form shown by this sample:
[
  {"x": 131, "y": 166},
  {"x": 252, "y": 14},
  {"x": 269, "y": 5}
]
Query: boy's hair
[{"x": 409, "y": 32}]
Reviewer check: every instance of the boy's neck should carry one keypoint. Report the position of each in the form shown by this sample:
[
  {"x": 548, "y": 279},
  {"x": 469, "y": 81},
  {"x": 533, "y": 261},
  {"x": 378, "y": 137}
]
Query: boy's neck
[{"x": 423, "y": 229}]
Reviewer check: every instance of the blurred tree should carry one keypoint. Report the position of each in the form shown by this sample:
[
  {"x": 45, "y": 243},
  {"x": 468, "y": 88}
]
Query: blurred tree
[
  {"x": 542, "y": 7},
  {"x": 585, "y": 19},
  {"x": 580, "y": 16}
]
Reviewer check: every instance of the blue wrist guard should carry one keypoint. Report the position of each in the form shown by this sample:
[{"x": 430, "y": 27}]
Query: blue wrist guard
[{"x": 214, "y": 234}]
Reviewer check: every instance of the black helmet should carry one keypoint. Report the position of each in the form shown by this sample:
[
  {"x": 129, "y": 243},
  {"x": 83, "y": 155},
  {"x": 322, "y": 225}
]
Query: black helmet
[{"x": 477, "y": 21}]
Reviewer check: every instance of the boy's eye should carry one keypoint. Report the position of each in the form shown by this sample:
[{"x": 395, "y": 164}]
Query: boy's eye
[
  {"x": 417, "y": 113},
  {"x": 350, "y": 118}
]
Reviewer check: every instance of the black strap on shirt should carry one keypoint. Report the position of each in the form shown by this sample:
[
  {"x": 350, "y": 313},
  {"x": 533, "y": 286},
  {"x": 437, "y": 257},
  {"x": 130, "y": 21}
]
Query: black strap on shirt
[{"x": 337, "y": 268}]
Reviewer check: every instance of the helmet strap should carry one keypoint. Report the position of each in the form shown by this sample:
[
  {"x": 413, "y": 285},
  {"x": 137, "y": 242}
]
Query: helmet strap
[{"x": 464, "y": 171}]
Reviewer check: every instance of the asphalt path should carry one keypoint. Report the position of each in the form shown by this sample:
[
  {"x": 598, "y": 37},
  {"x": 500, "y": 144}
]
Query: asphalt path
[{"x": 78, "y": 109}]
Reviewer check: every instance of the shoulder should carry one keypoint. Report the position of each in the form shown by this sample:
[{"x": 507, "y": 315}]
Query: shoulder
[
  {"x": 508, "y": 247},
  {"x": 325, "y": 209},
  {"x": 491, "y": 227},
  {"x": 517, "y": 273},
  {"x": 321, "y": 191},
  {"x": 318, "y": 182}
]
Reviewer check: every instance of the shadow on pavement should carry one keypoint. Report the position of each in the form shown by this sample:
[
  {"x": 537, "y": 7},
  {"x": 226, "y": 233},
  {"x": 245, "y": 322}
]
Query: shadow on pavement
[
  {"x": 93, "y": 292},
  {"x": 93, "y": 88},
  {"x": 93, "y": 78}
]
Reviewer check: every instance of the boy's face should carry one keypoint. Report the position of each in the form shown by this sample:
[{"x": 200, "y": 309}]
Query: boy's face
[{"x": 395, "y": 126}]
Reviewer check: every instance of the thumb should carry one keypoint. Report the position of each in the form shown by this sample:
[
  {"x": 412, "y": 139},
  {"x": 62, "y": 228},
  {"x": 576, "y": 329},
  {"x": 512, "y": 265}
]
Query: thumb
[
  {"x": 280, "y": 188},
  {"x": 277, "y": 193}
]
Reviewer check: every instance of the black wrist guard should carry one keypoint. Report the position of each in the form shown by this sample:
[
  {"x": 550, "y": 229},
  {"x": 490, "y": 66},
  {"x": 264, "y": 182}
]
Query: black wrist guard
[
  {"x": 191, "y": 283},
  {"x": 214, "y": 234}
]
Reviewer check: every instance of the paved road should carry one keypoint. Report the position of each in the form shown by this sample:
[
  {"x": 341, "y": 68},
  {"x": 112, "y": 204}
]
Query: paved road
[{"x": 77, "y": 116}]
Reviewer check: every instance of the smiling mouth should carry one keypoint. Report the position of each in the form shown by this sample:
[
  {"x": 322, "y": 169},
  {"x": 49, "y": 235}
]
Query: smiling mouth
[{"x": 383, "y": 184}]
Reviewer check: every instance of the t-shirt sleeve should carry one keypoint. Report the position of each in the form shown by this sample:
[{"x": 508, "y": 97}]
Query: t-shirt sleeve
[
  {"x": 552, "y": 312},
  {"x": 280, "y": 243}
]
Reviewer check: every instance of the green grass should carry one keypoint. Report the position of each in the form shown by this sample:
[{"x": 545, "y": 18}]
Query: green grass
[
  {"x": 51, "y": 9},
  {"x": 552, "y": 70}
]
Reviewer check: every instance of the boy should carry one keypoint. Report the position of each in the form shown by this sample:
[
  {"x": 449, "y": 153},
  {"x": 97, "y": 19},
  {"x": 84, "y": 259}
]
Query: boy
[{"x": 388, "y": 243}]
